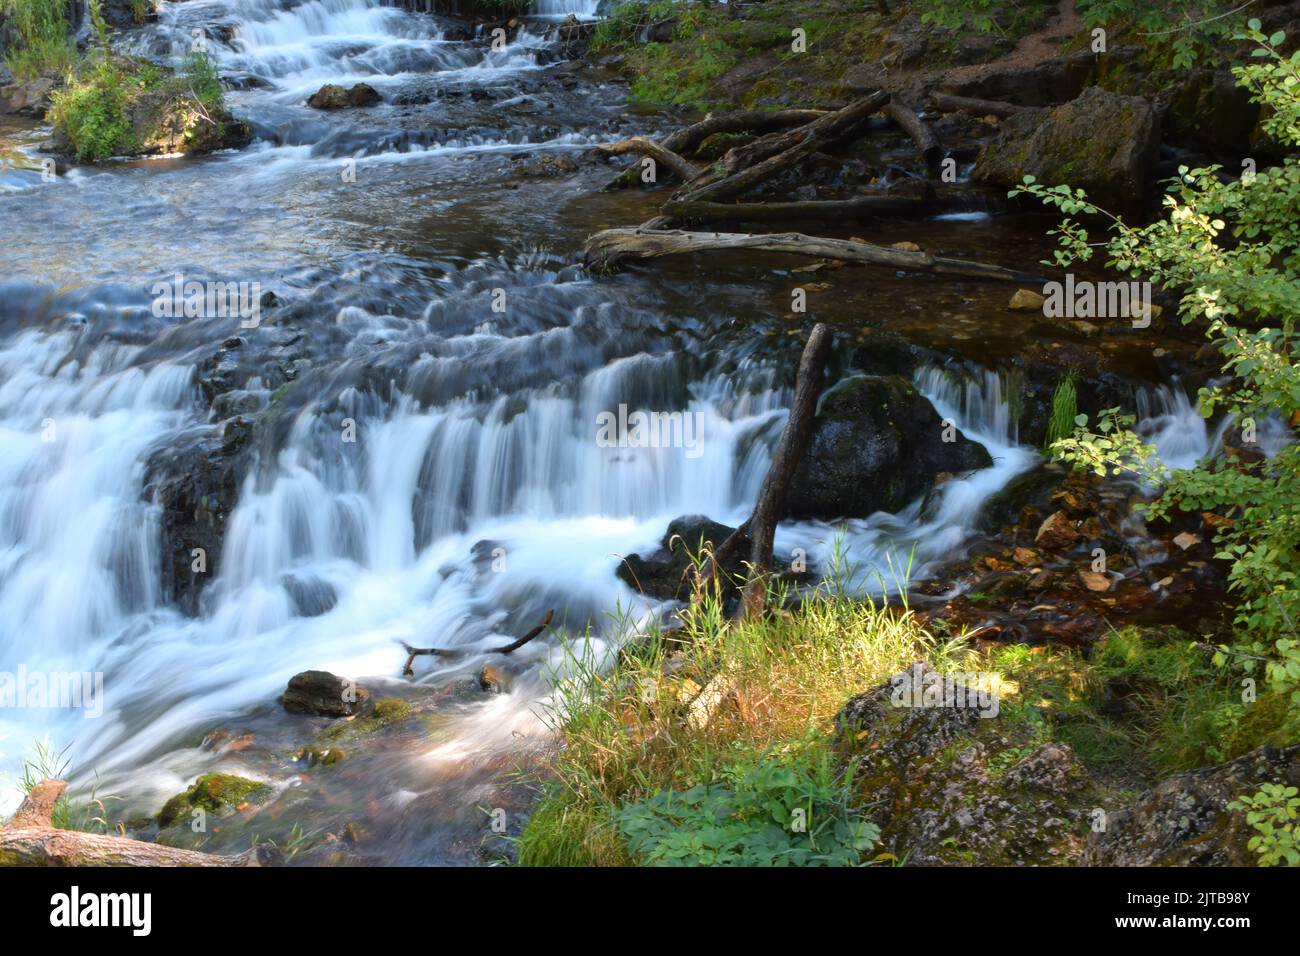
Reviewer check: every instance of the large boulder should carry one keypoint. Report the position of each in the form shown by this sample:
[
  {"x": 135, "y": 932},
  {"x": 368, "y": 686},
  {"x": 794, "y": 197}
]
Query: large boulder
[
  {"x": 331, "y": 96},
  {"x": 1102, "y": 142},
  {"x": 163, "y": 123},
  {"x": 877, "y": 445},
  {"x": 323, "y": 694},
  {"x": 1185, "y": 820}
]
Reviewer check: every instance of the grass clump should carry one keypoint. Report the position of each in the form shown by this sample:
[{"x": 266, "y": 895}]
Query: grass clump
[
  {"x": 1065, "y": 409},
  {"x": 647, "y": 774},
  {"x": 42, "y": 39}
]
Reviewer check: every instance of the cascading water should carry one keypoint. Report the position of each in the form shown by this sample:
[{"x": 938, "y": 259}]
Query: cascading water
[{"x": 427, "y": 469}]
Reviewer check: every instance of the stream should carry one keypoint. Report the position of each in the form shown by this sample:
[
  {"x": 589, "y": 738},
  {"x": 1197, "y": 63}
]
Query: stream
[{"x": 472, "y": 495}]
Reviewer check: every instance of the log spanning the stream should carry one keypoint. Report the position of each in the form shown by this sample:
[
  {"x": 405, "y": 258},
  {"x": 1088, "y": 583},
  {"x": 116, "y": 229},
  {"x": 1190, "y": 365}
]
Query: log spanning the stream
[
  {"x": 31, "y": 839},
  {"x": 838, "y": 210},
  {"x": 927, "y": 144},
  {"x": 612, "y": 247},
  {"x": 951, "y": 103},
  {"x": 453, "y": 652}
]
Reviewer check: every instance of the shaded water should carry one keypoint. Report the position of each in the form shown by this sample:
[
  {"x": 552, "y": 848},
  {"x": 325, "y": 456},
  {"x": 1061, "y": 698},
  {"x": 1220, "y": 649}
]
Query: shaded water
[{"x": 475, "y": 429}]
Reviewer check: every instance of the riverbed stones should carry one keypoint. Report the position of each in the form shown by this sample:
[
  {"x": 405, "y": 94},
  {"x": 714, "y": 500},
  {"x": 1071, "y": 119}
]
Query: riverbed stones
[
  {"x": 331, "y": 96},
  {"x": 877, "y": 445},
  {"x": 1057, "y": 532}
]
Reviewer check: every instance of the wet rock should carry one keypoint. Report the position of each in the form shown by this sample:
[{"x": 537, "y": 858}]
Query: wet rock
[
  {"x": 196, "y": 484},
  {"x": 27, "y": 98},
  {"x": 1102, "y": 142},
  {"x": 212, "y": 793},
  {"x": 331, "y": 96},
  {"x": 1210, "y": 110},
  {"x": 165, "y": 123},
  {"x": 667, "y": 574},
  {"x": 323, "y": 694},
  {"x": 546, "y": 167},
  {"x": 1026, "y": 300},
  {"x": 125, "y": 14},
  {"x": 1185, "y": 820},
  {"x": 311, "y": 596},
  {"x": 1095, "y": 580},
  {"x": 1057, "y": 532},
  {"x": 877, "y": 445}
]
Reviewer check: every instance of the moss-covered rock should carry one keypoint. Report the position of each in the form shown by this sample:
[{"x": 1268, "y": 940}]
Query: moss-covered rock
[
  {"x": 1102, "y": 142},
  {"x": 212, "y": 793}
]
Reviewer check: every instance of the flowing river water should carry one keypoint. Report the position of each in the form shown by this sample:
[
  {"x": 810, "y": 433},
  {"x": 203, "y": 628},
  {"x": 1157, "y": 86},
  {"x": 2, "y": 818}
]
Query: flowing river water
[{"x": 475, "y": 495}]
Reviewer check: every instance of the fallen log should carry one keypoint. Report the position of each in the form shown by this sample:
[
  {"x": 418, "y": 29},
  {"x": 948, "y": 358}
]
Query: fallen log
[
  {"x": 687, "y": 138},
  {"x": 927, "y": 144},
  {"x": 31, "y": 839},
  {"x": 789, "y": 452},
  {"x": 863, "y": 207},
  {"x": 951, "y": 103},
  {"x": 453, "y": 652},
  {"x": 611, "y": 247},
  {"x": 684, "y": 169},
  {"x": 784, "y": 151}
]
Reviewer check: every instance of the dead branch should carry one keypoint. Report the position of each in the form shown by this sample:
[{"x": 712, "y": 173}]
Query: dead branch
[
  {"x": 786, "y": 150},
  {"x": 951, "y": 103},
  {"x": 927, "y": 144},
  {"x": 761, "y": 524},
  {"x": 686, "y": 139},
  {"x": 684, "y": 169},
  {"x": 454, "y": 652},
  {"x": 31, "y": 839},
  {"x": 611, "y": 247}
]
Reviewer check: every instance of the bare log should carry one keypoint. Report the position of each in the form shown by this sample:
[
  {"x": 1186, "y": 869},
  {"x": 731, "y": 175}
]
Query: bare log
[
  {"x": 611, "y": 247},
  {"x": 686, "y": 139},
  {"x": 786, "y": 151},
  {"x": 684, "y": 169},
  {"x": 789, "y": 452},
  {"x": 30, "y": 839},
  {"x": 863, "y": 207},
  {"x": 453, "y": 652},
  {"x": 927, "y": 144},
  {"x": 951, "y": 103}
]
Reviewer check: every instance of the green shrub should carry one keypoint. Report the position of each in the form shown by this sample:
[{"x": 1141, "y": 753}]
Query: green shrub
[{"x": 1272, "y": 812}]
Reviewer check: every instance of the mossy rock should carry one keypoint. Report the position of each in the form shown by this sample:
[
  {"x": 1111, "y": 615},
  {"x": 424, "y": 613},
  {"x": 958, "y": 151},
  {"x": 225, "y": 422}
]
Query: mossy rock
[
  {"x": 387, "y": 710},
  {"x": 211, "y": 792}
]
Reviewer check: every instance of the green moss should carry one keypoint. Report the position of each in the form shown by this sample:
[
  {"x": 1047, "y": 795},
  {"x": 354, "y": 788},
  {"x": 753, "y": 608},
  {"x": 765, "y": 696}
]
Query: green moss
[
  {"x": 387, "y": 710},
  {"x": 211, "y": 792}
]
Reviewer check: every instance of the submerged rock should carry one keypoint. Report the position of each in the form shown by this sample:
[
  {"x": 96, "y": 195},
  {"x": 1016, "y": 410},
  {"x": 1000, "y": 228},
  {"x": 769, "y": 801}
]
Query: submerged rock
[
  {"x": 1102, "y": 142},
  {"x": 211, "y": 793},
  {"x": 878, "y": 445}
]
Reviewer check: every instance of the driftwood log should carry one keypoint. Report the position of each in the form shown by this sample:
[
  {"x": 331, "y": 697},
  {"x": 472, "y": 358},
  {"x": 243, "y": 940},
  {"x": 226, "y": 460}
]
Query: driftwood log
[
  {"x": 685, "y": 140},
  {"x": 951, "y": 103},
  {"x": 612, "y": 247},
  {"x": 839, "y": 210},
  {"x": 683, "y": 168},
  {"x": 453, "y": 652},
  {"x": 927, "y": 144},
  {"x": 782, "y": 152},
  {"x": 31, "y": 839}
]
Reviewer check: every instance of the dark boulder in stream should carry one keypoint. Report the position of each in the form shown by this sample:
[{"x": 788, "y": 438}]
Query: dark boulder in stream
[
  {"x": 878, "y": 445},
  {"x": 1102, "y": 142},
  {"x": 323, "y": 694}
]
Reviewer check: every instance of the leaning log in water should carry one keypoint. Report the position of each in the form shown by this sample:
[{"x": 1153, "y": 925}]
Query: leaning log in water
[
  {"x": 950, "y": 103},
  {"x": 612, "y": 247}
]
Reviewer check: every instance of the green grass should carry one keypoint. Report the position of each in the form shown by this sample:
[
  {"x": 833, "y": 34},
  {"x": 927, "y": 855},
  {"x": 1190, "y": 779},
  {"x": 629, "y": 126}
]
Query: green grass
[
  {"x": 43, "y": 42},
  {"x": 1065, "y": 408}
]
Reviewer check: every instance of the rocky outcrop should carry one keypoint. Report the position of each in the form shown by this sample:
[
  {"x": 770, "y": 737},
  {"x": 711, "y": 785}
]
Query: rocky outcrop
[
  {"x": 1185, "y": 821},
  {"x": 878, "y": 445},
  {"x": 1101, "y": 142},
  {"x": 27, "y": 97},
  {"x": 952, "y": 788},
  {"x": 164, "y": 123}
]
